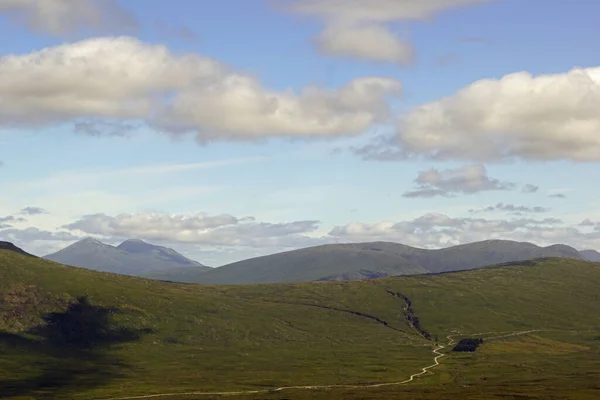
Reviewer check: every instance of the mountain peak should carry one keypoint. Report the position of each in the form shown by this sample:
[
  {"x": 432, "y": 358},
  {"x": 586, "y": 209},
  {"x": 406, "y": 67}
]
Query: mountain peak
[
  {"x": 133, "y": 241},
  {"x": 90, "y": 241},
  {"x": 137, "y": 246},
  {"x": 132, "y": 257}
]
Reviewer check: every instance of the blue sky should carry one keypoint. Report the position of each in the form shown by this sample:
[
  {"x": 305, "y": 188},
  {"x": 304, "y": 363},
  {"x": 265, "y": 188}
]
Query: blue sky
[{"x": 285, "y": 124}]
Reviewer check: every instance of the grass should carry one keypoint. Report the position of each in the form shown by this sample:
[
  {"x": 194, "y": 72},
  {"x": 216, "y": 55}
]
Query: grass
[{"x": 251, "y": 337}]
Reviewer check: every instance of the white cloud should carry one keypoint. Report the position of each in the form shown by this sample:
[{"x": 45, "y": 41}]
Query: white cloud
[
  {"x": 223, "y": 230},
  {"x": 59, "y": 17},
  {"x": 361, "y": 28},
  {"x": 545, "y": 117},
  {"x": 121, "y": 79},
  {"x": 370, "y": 42},
  {"x": 89, "y": 177},
  {"x": 468, "y": 179}
]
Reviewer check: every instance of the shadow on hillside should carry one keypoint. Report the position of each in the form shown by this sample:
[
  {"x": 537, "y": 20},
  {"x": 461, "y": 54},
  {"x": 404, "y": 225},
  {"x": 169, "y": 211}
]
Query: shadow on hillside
[{"x": 70, "y": 352}]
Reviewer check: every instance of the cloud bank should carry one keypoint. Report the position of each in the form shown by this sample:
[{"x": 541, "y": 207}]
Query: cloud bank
[{"x": 116, "y": 79}]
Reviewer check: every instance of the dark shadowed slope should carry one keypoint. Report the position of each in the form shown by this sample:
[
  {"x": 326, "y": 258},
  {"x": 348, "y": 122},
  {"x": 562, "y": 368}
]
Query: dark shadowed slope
[
  {"x": 132, "y": 257},
  {"x": 591, "y": 255},
  {"x": 11, "y": 247},
  {"x": 371, "y": 260}
]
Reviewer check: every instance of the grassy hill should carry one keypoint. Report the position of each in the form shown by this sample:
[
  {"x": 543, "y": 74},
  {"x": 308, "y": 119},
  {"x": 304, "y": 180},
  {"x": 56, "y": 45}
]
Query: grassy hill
[
  {"x": 145, "y": 337},
  {"x": 367, "y": 260}
]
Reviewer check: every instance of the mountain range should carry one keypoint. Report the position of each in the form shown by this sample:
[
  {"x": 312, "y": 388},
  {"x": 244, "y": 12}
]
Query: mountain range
[
  {"x": 352, "y": 261},
  {"x": 374, "y": 260},
  {"x": 132, "y": 257}
]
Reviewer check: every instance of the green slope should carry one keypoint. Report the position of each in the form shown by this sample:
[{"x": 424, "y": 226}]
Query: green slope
[{"x": 252, "y": 337}]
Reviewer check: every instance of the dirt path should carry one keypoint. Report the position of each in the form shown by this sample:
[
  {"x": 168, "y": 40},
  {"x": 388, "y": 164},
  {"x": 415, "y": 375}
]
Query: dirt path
[{"x": 424, "y": 370}]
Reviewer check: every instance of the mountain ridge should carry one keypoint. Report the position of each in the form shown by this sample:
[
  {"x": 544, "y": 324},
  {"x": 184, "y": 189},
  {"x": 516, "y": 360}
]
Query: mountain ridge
[{"x": 353, "y": 261}]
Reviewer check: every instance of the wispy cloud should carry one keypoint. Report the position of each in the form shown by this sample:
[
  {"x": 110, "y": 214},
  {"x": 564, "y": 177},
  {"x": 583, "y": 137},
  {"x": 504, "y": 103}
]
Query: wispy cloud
[{"x": 85, "y": 176}]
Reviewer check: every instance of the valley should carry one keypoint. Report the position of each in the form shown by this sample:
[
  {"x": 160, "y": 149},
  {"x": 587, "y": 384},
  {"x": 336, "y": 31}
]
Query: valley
[{"x": 540, "y": 321}]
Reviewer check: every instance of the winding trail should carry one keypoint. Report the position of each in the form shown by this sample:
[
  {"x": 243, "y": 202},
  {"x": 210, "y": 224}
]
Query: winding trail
[{"x": 424, "y": 370}]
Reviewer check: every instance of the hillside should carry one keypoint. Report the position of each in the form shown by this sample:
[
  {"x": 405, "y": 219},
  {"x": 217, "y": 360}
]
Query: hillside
[
  {"x": 370, "y": 260},
  {"x": 132, "y": 257},
  {"x": 175, "y": 338}
]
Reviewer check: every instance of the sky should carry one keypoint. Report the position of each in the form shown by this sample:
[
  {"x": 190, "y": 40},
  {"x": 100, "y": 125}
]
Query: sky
[{"x": 230, "y": 129}]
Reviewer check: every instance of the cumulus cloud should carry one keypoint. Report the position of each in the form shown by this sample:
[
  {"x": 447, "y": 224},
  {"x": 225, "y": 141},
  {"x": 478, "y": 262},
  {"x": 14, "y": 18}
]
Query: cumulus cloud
[
  {"x": 33, "y": 211},
  {"x": 519, "y": 116},
  {"x": 121, "y": 79},
  {"x": 362, "y": 28},
  {"x": 468, "y": 179},
  {"x": 59, "y": 17},
  {"x": 435, "y": 230},
  {"x": 370, "y": 42},
  {"x": 511, "y": 208},
  {"x": 223, "y": 229}
]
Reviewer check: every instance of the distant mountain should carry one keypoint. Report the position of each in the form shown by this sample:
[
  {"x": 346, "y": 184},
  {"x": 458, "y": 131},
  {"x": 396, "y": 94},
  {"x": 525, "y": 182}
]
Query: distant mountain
[
  {"x": 591, "y": 255},
  {"x": 487, "y": 252},
  {"x": 132, "y": 257},
  {"x": 372, "y": 260}
]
